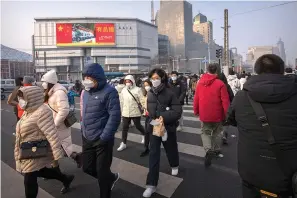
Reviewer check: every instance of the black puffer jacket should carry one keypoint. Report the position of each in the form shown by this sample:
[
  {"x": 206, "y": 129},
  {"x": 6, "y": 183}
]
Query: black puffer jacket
[
  {"x": 179, "y": 89},
  {"x": 166, "y": 98},
  {"x": 256, "y": 161}
]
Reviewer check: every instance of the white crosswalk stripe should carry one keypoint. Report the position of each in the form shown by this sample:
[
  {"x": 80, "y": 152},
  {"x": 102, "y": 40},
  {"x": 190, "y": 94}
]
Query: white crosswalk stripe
[{"x": 167, "y": 183}]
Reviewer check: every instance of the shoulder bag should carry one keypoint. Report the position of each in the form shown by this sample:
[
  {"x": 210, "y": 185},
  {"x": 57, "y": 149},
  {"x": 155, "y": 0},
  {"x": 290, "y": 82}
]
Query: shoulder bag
[
  {"x": 261, "y": 115},
  {"x": 33, "y": 149},
  {"x": 141, "y": 109},
  {"x": 70, "y": 119}
]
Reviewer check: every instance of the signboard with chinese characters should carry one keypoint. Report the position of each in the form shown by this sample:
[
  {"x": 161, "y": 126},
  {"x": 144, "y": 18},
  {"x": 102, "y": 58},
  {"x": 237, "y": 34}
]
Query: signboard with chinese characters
[{"x": 85, "y": 34}]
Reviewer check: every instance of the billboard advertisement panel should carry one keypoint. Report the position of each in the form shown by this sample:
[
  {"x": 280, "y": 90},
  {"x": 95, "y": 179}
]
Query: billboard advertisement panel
[{"x": 85, "y": 34}]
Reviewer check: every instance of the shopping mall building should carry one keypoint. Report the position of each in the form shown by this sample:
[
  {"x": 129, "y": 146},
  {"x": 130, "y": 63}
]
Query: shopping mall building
[{"x": 117, "y": 44}]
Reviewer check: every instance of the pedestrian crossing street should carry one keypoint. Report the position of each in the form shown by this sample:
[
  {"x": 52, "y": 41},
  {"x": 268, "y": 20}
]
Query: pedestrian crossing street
[{"x": 135, "y": 173}]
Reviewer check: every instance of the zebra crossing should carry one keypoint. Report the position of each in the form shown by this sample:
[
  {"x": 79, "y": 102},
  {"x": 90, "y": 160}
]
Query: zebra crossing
[{"x": 136, "y": 174}]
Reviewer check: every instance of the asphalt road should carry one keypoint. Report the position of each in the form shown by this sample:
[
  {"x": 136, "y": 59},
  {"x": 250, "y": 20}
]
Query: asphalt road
[{"x": 221, "y": 180}]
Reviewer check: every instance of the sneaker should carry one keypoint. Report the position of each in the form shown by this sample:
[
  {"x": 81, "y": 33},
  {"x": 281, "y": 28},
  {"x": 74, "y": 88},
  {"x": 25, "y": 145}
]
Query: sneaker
[
  {"x": 122, "y": 147},
  {"x": 117, "y": 177},
  {"x": 149, "y": 191},
  {"x": 174, "y": 171},
  {"x": 179, "y": 128},
  {"x": 208, "y": 157},
  {"x": 142, "y": 140}
]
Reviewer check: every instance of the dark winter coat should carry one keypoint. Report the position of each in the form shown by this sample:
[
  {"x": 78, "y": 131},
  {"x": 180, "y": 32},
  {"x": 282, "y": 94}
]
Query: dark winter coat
[
  {"x": 256, "y": 161},
  {"x": 101, "y": 112},
  {"x": 179, "y": 89},
  {"x": 169, "y": 108}
]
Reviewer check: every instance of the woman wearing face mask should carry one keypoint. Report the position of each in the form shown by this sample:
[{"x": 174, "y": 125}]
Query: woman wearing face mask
[
  {"x": 57, "y": 100},
  {"x": 131, "y": 97},
  {"x": 147, "y": 85},
  {"x": 36, "y": 125},
  {"x": 162, "y": 104}
]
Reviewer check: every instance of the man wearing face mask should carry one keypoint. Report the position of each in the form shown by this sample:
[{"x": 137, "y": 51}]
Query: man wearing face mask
[
  {"x": 179, "y": 89},
  {"x": 101, "y": 116},
  {"x": 131, "y": 97}
]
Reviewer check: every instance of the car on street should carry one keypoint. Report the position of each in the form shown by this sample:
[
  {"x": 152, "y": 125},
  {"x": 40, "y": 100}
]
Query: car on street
[{"x": 7, "y": 85}]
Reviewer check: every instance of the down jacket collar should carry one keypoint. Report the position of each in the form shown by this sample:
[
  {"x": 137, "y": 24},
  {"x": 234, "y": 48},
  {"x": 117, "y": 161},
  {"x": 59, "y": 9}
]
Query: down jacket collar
[
  {"x": 33, "y": 95},
  {"x": 57, "y": 87}
]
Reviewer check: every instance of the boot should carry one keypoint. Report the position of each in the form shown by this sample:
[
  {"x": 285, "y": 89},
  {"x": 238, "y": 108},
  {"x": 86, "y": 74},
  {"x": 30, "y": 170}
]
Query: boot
[
  {"x": 67, "y": 180},
  {"x": 77, "y": 158},
  {"x": 145, "y": 152}
]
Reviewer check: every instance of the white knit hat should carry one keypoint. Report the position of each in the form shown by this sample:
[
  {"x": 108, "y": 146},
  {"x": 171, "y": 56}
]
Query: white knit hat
[{"x": 50, "y": 77}]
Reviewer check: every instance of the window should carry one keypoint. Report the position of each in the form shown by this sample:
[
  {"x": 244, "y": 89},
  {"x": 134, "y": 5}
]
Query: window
[
  {"x": 9, "y": 82},
  {"x": 2, "y": 82}
]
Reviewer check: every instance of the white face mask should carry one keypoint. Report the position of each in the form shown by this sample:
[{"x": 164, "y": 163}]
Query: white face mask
[
  {"x": 45, "y": 85},
  {"x": 173, "y": 78},
  {"x": 88, "y": 84},
  {"x": 22, "y": 103},
  {"x": 156, "y": 83},
  {"x": 129, "y": 85},
  {"x": 147, "y": 88}
]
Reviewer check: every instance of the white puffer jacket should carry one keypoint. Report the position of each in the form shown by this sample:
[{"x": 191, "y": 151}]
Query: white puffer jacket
[
  {"x": 234, "y": 83},
  {"x": 129, "y": 106},
  {"x": 58, "y": 101}
]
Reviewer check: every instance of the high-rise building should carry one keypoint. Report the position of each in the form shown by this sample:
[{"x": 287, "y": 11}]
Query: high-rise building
[
  {"x": 200, "y": 18},
  {"x": 281, "y": 48},
  {"x": 203, "y": 27},
  {"x": 175, "y": 21}
]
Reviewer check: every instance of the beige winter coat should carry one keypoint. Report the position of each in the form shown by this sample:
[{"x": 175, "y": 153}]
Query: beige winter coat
[
  {"x": 37, "y": 123},
  {"x": 128, "y": 104},
  {"x": 58, "y": 100}
]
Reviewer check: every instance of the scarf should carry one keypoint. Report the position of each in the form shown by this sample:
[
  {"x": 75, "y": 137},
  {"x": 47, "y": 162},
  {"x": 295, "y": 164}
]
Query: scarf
[{"x": 157, "y": 90}]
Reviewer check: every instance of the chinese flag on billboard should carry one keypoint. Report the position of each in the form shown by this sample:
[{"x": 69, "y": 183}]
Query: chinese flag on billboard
[
  {"x": 64, "y": 32},
  {"x": 104, "y": 33}
]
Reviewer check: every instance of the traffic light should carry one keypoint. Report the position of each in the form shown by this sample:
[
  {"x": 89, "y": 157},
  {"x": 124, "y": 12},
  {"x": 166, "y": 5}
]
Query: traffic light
[
  {"x": 219, "y": 53},
  {"x": 233, "y": 65}
]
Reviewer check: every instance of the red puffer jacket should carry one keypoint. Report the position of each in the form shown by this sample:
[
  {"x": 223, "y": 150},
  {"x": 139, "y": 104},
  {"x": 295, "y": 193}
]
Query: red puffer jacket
[{"x": 211, "y": 100}]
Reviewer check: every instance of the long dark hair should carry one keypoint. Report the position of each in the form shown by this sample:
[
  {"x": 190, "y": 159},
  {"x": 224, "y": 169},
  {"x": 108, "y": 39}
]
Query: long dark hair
[
  {"x": 49, "y": 87},
  {"x": 162, "y": 74},
  {"x": 18, "y": 81}
]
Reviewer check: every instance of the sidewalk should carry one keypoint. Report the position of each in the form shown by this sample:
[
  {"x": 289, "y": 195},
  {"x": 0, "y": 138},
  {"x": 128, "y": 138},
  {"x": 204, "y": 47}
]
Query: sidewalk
[{"x": 12, "y": 184}]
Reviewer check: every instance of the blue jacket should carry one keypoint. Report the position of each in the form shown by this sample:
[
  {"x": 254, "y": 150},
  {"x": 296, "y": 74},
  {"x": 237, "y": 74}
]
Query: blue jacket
[
  {"x": 71, "y": 94},
  {"x": 101, "y": 112}
]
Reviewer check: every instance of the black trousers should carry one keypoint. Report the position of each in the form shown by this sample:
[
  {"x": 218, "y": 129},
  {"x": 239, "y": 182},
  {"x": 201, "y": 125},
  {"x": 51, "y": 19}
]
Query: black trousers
[
  {"x": 147, "y": 133},
  {"x": 187, "y": 99},
  {"x": 96, "y": 161},
  {"x": 30, "y": 180},
  {"x": 249, "y": 191},
  {"x": 126, "y": 123},
  {"x": 154, "y": 158}
]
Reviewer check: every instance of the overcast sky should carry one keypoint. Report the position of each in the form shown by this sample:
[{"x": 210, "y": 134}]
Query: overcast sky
[{"x": 263, "y": 27}]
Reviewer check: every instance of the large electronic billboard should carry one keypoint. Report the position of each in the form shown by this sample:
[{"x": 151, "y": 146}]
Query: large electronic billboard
[{"x": 85, "y": 34}]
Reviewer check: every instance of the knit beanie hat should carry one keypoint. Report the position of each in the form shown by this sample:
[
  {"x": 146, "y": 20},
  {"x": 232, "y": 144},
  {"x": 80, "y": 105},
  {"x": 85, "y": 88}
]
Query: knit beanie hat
[{"x": 50, "y": 77}]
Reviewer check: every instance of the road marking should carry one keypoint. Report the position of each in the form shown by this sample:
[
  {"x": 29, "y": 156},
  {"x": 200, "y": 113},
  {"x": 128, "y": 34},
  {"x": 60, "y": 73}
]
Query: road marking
[
  {"x": 188, "y": 111},
  {"x": 14, "y": 183},
  {"x": 137, "y": 174},
  {"x": 182, "y": 147}
]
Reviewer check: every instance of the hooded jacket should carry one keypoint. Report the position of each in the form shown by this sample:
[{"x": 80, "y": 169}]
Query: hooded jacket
[
  {"x": 101, "y": 113},
  {"x": 234, "y": 83},
  {"x": 36, "y": 124},
  {"x": 129, "y": 105},
  {"x": 58, "y": 102},
  {"x": 211, "y": 100},
  {"x": 256, "y": 161}
]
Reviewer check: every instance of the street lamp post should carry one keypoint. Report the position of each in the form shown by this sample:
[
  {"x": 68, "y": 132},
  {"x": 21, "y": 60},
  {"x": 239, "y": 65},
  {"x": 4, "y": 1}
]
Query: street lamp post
[{"x": 130, "y": 61}]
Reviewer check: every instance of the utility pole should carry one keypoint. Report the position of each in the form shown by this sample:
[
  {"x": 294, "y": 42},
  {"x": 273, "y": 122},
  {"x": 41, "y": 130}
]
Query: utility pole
[
  {"x": 152, "y": 13},
  {"x": 33, "y": 55},
  {"x": 44, "y": 56},
  {"x": 226, "y": 61}
]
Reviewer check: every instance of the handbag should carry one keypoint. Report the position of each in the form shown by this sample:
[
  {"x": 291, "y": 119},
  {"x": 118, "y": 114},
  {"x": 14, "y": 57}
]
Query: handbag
[
  {"x": 34, "y": 149},
  {"x": 141, "y": 109},
  {"x": 70, "y": 119},
  {"x": 261, "y": 115}
]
